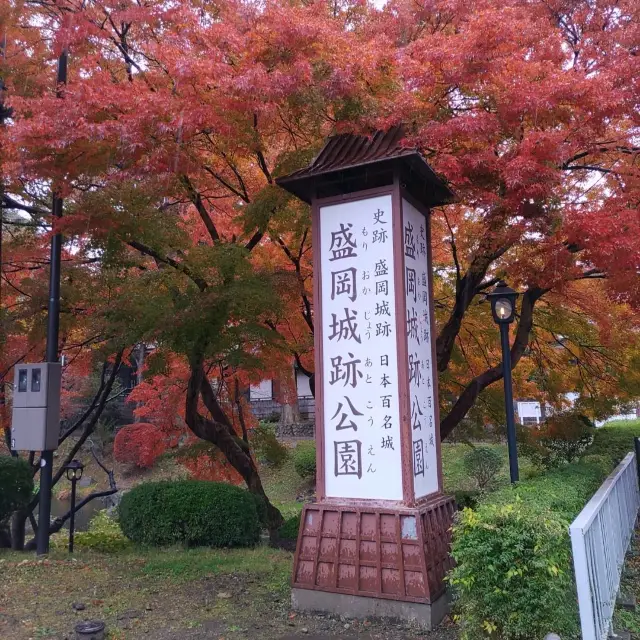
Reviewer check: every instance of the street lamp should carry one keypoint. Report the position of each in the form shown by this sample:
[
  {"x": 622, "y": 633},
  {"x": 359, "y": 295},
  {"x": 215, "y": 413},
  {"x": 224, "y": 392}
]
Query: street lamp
[
  {"x": 74, "y": 473},
  {"x": 503, "y": 308}
]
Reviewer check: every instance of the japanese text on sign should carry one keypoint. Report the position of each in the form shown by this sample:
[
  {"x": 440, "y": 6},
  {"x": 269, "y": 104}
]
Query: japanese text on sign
[
  {"x": 419, "y": 365},
  {"x": 360, "y": 374}
]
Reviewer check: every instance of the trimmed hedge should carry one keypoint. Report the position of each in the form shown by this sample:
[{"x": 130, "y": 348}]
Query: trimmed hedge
[
  {"x": 16, "y": 485},
  {"x": 513, "y": 576},
  {"x": 192, "y": 512},
  {"x": 304, "y": 459},
  {"x": 615, "y": 440}
]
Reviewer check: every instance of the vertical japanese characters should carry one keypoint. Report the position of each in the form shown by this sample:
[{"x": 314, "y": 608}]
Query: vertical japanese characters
[
  {"x": 419, "y": 336},
  {"x": 360, "y": 373}
]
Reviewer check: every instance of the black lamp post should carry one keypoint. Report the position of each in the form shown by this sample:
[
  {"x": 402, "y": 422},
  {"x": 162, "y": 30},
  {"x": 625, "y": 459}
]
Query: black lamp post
[
  {"x": 503, "y": 308},
  {"x": 74, "y": 473}
]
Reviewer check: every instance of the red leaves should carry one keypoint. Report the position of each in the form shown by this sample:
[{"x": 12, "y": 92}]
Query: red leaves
[{"x": 139, "y": 444}]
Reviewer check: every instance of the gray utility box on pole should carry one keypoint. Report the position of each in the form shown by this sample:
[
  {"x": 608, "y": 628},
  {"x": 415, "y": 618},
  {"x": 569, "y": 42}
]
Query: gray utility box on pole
[{"x": 36, "y": 407}]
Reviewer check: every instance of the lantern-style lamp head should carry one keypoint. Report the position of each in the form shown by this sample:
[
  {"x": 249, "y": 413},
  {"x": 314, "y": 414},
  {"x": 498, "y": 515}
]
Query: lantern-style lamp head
[
  {"x": 74, "y": 470},
  {"x": 503, "y": 303}
]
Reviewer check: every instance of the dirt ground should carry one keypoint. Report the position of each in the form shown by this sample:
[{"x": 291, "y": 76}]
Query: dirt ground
[{"x": 171, "y": 595}]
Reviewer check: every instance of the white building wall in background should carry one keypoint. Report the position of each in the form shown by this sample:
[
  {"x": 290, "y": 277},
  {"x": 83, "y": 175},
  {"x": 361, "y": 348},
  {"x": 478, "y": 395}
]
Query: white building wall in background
[
  {"x": 302, "y": 383},
  {"x": 261, "y": 391}
]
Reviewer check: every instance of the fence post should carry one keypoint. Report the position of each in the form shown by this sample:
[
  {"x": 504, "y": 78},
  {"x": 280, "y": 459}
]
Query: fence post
[
  {"x": 583, "y": 584},
  {"x": 636, "y": 443}
]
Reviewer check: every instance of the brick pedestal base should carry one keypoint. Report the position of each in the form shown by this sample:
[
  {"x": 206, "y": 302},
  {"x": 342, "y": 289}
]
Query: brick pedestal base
[{"x": 397, "y": 553}]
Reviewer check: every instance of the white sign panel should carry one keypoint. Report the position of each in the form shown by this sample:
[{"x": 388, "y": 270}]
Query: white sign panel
[
  {"x": 529, "y": 410},
  {"x": 361, "y": 409},
  {"x": 419, "y": 336}
]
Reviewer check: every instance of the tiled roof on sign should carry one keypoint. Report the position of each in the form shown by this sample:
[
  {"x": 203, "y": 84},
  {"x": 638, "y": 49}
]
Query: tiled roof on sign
[
  {"x": 350, "y": 162},
  {"x": 349, "y": 150}
]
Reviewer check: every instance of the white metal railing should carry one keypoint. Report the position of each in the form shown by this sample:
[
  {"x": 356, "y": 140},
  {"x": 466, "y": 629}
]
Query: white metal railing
[{"x": 600, "y": 536}]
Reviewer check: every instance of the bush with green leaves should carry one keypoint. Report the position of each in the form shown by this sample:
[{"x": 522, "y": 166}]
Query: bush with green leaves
[
  {"x": 602, "y": 462},
  {"x": 290, "y": 527},
  {"x": 103, "y": 535},
  {"x": 16, "y": 485},
  {"x": 513, "y": 577},
  {"x": 562, "y": 439},
  {"x": 191, "y": 512},
  {"x": 304, "y": 459},
  {"x": 483, "y": 464},
  {"x": 267, "y": 446},
  {"x": 614, "y": 440},
  {"x": 466, "y": 499}
]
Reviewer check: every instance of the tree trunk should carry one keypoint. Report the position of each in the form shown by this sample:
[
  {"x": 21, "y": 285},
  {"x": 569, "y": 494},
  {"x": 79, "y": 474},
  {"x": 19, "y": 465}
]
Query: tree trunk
[
  {"x": 140, "y": 356},
  {"x": 290, "y": 414},
  {"x": 219, "y": 431},
  {"x": 291, "y": 410},
  {"x": 18, "y": 526}
]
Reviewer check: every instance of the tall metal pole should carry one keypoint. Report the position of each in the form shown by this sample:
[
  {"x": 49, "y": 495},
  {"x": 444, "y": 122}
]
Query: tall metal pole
[
  {"x": 53, "y": 329},
  {"x": 72, "y": 519},
  {"x": 3, "y": 114},
  {"x": 508, "y": 402}
]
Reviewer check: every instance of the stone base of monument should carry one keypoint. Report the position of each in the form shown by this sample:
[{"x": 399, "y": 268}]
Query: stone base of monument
[
  {"x": 367, "y": 560},
  {"x": 426, "y": 616}
]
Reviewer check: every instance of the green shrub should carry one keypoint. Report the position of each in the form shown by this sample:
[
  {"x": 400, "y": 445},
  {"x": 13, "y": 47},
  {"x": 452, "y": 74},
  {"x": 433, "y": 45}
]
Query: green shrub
[
  {"x": 192, "y": 512},
  {"x": 267, "y": 446},
  {"x": 289, "y": 529},
  {"x": 614, "y": 440},
  {"x": 562, "y": 439},
  {"x": 482, "y": 464},
  {"x": 513, "y": 576},
  {"x": 16, "y": 485},
  {"x": 304, "y": 459},
  {"x": 601, "y": 462},
  {"x": 103, "y": 535},
  {"x": 466, "y": 499}
]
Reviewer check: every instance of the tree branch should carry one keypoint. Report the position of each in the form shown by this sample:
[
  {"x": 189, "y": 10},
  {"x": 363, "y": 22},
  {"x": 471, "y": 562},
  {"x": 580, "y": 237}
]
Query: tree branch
[
  {"x": 466, "y": 290},
  {"x": 182, "y": 268},
  {"x": 196, "y": 199},
  {"x": 243, "y": 196},
  {"x": 454, "y": 250}
]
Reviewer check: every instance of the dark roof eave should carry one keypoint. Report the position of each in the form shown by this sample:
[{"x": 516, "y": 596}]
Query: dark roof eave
[{"x": 300, "y": 183}]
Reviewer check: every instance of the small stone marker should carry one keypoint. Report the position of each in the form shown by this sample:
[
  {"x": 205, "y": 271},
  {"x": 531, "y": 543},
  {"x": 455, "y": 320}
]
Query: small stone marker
[
  {"x": 552, "y": 636},
  {"x": 626, "y": 601}
]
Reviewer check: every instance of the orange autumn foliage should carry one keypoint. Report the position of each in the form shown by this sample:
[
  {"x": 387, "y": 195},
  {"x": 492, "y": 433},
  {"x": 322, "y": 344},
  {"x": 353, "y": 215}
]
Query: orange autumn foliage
[{"x": 177, "y": 118}]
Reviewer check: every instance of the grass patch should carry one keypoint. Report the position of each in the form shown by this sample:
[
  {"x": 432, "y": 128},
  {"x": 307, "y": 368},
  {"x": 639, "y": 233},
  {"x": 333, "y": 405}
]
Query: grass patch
[
  {"x": 615, "y": 439},
  {"x": 283, "y": 485},
  {"x": 191, "y": 564},
  {"x": 142, "y": 593},
  {"x": 623, "y": 619}
]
